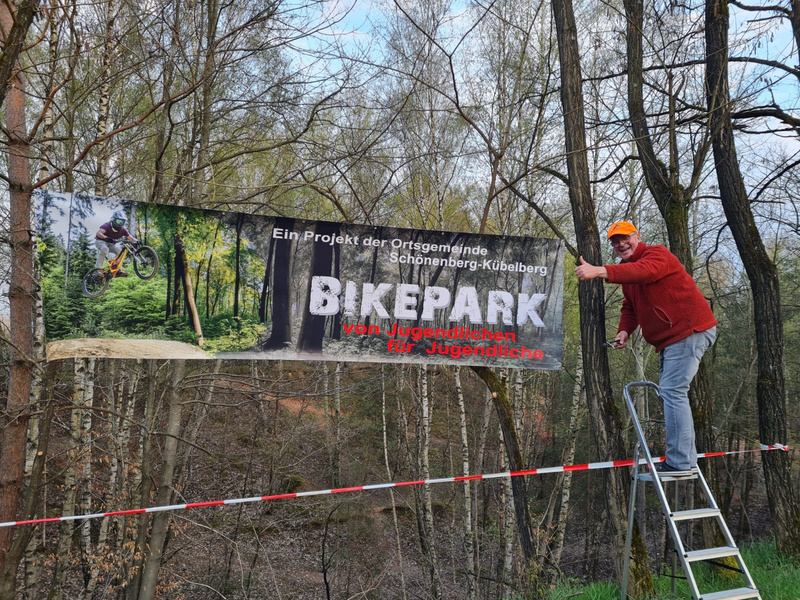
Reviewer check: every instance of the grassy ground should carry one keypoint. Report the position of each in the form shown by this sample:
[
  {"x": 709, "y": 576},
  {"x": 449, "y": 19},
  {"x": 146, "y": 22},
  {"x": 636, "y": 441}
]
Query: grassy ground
[{"x": 777, "y": 578}]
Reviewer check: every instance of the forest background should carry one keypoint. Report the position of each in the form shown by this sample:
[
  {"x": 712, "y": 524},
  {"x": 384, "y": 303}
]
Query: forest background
[{"x": 509, "y": 117}]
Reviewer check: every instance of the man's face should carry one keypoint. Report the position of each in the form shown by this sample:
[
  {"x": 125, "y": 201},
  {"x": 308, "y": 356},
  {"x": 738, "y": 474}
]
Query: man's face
[{"x": 625, "y": 245}]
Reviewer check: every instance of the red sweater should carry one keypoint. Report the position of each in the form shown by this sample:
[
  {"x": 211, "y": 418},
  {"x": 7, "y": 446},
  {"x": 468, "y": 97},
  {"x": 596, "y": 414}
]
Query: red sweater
[{"x": 660, "y": 296}]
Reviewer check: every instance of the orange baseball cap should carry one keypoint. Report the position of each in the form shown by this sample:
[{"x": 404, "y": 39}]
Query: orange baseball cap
[{"x": 621, "y": 228}]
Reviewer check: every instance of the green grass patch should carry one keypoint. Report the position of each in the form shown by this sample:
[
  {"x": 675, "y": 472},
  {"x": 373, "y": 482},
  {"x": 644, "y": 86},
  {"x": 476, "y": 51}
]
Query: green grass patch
[{"x": 776, "y": 576}]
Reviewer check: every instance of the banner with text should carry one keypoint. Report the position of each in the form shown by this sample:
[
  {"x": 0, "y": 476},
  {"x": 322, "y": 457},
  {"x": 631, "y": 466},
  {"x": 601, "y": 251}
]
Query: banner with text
[{"x": 137, "y": 280}]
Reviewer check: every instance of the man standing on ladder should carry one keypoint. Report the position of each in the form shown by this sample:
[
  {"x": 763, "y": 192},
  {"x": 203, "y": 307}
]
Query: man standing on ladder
[{"x": 662, "y": 298}]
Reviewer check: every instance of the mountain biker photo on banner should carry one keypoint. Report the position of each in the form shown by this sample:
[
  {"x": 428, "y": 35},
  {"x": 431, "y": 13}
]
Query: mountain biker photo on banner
[
  {"x": 88, "y": 247},
  {"x": 176, "y": 281}
]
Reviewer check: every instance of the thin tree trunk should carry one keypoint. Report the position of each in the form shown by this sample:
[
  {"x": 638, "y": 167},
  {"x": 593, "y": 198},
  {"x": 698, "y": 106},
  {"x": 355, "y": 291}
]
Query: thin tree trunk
[
  {"x": 160, "y": 527},
  {"x": 77, "y": 447},
  {"x": 505, "y": 414},
  {"x": 337, "y": 426},
  {"x": 763, "y": 276},
  {"x": 163, "y": 126},
  {"x": 479, "y": 466},
  {"x": 469, "y": 539},
  {"x": 423, "y": 466},
  {"x": 146, "y": 467},
  {"x": 103, "y": 156},
  {"x": 507, "y": 504},
  {"x": 569, "y": 458},
  {"x": 125, "y": 489},
  {"x": 168, "y": 308},
  {"x": 85, "y": 463},
  {"x": 31, "y": 565},
  {"x": 48, "y": 126},
  {"x": 110, "y": 494},
  {"x": 209, "y": 82},
  {"x": 398, "y": 539},
  {"x": 178, "y": 280}
]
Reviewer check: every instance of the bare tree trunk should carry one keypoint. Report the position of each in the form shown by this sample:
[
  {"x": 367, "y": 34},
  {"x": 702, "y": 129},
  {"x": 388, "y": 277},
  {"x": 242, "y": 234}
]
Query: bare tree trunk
[
  {"x": 337, "y": 426},
  {"x": 603, "y": 410},
  {"x": 479, "y": 466},
  {"x": 565, "y": 483},
  {"x": 124, "y": 487},
  {"x": 14, "y": 421},
  {"x": 763, "y": 276},
  {"x": 398, "y": 540},
  {"x": 507, "y": 504},
  {"x": 75, "y": 460},
  {"x": 84, "y": 467},
  {"x": 117, "y": 443},
  {"x": 103, "y": 156},
  {"x": 146, "y": 467},
  {"x": 164, "y": 126},
  {"x": 160, "y": 527},
  {"x": 423, "y": 465},
  {"x": 48, "y": 125},
  {"x": 505, "y": 414},
  {"x": 469, "y": 538},
  {"x": 24, "y": 539},
  {"x": 32, "y": 443}
]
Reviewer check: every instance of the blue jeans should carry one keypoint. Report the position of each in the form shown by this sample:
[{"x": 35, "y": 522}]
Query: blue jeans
[{"x": 677, "y": 366}]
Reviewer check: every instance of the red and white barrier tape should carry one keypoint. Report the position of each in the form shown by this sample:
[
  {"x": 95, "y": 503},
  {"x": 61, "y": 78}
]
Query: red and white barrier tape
[{"x": 378, "y": 486}]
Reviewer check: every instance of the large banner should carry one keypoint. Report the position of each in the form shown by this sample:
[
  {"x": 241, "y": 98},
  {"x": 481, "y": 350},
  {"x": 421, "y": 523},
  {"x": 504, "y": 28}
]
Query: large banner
[{"x": 152, "y": 281}]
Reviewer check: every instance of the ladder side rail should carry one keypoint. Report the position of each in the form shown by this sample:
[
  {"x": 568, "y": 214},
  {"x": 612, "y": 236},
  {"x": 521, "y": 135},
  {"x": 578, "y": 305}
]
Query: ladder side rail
[
  {"x": 662, "y": 497},
  {"x": 645, "y": 448}
]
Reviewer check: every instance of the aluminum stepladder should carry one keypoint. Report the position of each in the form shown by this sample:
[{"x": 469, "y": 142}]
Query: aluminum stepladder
[{"x": 673, "y": 516}]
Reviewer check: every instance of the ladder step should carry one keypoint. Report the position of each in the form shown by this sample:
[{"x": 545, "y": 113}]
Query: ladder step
[
  {"x": 697, "y": 513},
  {"x": 711, "y": 553},
  {"x": 663, "y": 477},
  {"x": 737, "y": 594}
]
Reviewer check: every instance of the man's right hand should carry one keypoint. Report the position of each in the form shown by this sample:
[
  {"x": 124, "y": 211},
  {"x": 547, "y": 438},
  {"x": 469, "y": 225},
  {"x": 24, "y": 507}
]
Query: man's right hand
[{"x": 621, "y": 341}]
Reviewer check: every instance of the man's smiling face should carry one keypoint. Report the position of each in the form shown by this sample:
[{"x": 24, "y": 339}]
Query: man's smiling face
[{"x": 625, "y": 245}]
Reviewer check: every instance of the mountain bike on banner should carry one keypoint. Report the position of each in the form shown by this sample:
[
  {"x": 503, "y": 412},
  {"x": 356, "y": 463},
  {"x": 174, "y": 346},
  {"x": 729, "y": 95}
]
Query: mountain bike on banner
[{"x": 145, "y": 265}]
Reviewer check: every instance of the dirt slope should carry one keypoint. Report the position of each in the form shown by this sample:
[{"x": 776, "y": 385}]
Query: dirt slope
[{"x": 111, "y": 348}]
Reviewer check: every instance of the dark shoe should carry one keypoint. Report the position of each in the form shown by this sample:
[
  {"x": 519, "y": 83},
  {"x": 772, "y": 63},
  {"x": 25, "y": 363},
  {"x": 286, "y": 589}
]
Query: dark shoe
[
  {"x": 122, "y": 274},
  {"x": 666, "y": 469}
]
